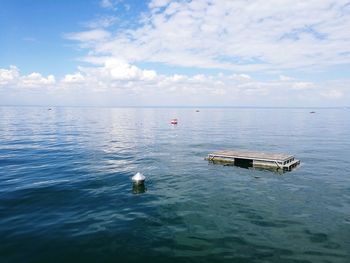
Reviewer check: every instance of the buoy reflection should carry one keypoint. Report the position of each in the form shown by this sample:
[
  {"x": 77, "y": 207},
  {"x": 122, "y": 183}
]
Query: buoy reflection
[{"x": 138, "y": 188}]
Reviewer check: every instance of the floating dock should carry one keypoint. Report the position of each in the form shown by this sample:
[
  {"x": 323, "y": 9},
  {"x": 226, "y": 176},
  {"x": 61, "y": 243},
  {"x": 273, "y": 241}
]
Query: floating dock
[{"x": 260, "y": 160}]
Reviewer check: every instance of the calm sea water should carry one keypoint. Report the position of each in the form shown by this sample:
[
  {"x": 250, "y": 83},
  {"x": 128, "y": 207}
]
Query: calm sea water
[{"x": 66, "y": 193}]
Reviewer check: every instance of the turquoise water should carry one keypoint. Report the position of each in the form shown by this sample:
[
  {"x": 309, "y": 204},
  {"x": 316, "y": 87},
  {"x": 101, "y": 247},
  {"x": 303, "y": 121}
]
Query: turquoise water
[{"x": 66, "y": 193}]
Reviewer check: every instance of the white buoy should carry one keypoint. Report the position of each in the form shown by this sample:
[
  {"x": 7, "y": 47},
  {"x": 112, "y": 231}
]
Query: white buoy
[{"x": 138, "y": 178}]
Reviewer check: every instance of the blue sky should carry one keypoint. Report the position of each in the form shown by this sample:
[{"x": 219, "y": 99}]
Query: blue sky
[
  {"x": 178, "y": 53},
  {"x": 32, "y": 32}
]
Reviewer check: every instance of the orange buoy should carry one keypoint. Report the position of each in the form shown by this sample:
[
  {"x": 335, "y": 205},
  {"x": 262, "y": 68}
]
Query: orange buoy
[{"x": 173, "y": 121}]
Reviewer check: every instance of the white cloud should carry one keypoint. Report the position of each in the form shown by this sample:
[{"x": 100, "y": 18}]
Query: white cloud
[
  {"x": 241, "y": 77},
  {"x": 107, "y": 3},
  {"x": 117, "y": 69},
  {"x": 158, "y": 3},
  {"x": 8, "y": 75},
  {"x": 296, "y": 85},
  {"x": 120, "y": 70},
  {"x": 236, "y": 35},
  {"x": 177, "y": 77},
  {"x": 125, "y": 84},
  {"x": 101, "y": 22},
  {"x": 12, "y": 78},
  {"x": 114, "y": 4},
  {"x": 149, "y": 74},
  {"x": 36, "y": 80},
  {"x": 332, "y": 94},
  {"x": 73, "y": 78},
  {"x": 285, "y": 78},
  {"x": 242, "y": 38},
  {"x": 90, "y": 35}
]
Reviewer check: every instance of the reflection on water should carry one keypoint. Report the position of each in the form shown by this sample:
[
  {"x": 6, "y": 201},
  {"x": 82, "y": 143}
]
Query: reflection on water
[
  {"x": 246, "y": 165},
  {"x": 138, "y": 188},
  {"x": 66, "y": 195}
]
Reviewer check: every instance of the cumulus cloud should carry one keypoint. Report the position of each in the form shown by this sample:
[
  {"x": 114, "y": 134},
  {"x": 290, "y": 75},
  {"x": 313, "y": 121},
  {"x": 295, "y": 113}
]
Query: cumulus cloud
[
  {"x": 36, "y": 80},
  {"x": 120, "y": 70},
  {"x": 12, "y": 77},
  {"x": 129, "y": 84},
  {"x": 8, "y": 75},
  {"x": 114, "y": 71}
]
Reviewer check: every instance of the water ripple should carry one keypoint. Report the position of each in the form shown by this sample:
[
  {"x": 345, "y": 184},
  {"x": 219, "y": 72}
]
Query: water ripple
[{"x": 66, "y": 193}]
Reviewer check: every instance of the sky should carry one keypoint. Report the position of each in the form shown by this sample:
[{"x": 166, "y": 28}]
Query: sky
[{"x": 255, "y": 53}]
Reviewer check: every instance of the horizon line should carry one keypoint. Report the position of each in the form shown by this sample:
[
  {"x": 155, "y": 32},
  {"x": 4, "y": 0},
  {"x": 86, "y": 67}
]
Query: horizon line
[{"x": 180, "y": 106}]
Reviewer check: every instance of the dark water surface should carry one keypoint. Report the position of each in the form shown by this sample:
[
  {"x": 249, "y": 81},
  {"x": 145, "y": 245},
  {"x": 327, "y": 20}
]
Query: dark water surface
[{"x": 66, "y": 194}]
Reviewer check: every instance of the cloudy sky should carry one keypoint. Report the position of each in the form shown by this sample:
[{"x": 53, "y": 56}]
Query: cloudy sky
[{"x": 175, "y": 53}]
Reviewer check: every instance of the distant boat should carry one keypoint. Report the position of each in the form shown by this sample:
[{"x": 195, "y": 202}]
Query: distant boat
[
  {"x": 312, "y": 112},
  {"x": 173, "y": 121},
  {"x": 197, "y": 110}
]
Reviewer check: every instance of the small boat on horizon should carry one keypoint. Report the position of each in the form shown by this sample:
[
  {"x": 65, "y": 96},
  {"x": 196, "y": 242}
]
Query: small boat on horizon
[{"x": 173, "y": 121}]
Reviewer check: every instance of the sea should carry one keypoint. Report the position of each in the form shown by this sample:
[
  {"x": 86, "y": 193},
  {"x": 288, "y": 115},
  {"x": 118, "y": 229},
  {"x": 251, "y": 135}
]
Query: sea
[{"x": 66, "y": 193}]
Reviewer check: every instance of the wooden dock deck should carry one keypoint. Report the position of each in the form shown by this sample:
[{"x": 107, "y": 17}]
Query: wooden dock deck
[{"x": 262, "y": 160}]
